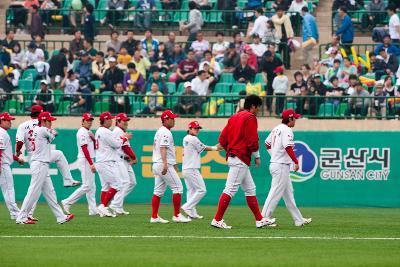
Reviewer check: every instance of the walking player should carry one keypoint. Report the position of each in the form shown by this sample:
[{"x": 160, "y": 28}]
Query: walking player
[
  {"x": 165, "y": 170},
  {"x": 106, "y": 161},
  {"x": 196, "y": 188},
  {"x": 126, "y": 158},
  {"x": 85, "y": 141},
  {"x": 240, "y": 140},
  {"x": 6, "y": 159},
  {"x": 279, "y": 145},
  {"x": 43, "y": 135}
]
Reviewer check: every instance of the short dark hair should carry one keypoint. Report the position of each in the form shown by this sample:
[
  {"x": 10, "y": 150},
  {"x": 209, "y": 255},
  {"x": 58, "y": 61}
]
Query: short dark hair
[
  {"x": 219, "y": 33},
  {"x": 297, "y": 73},
  {"x": 333, "y": 78},
  {"x": 336, "y": 61},
  {"x": 89, "y": 8},
  {"x": 304, "y": 9},
  {"x": 206, "y": 52},
  {"x": 200, "y": 72},
  {"x": 252, "y": 100},
  {"x": 77, "y": 30},
  {"x": 391, "y": 7},
  {"x": 35, "y": 7},
  {"x": 259, "y": 10},
  {"x": 131, "y": 65},
  {"x": 343, "y": 8},
  {"x": 387, "y": 36},
  {"x": 129, "y": 31},
  {"x": 100, "y": 53},
  {"x": 192, "y": 5},
  {"x": 35, "y": 114},
  {"x": 353, "y": 77},
  {"x": 307, "y": 66},
  {"x": 8, "y": 31},
  {"x": 114, "y": 32},
  {"x": 110, "y": 49}
]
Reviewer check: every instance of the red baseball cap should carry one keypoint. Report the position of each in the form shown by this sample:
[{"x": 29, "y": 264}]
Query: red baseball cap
[
  {"x": 195, "y": 125},
  {"x": 122, "y": 117},
  {"x": 87, "y": 117},
  {"x": 278, "y": 69},
  {"x": 168, "y": 114},
  {"x": 5, "y": 116},
  {"x": 36, "y": 108},
  {"x": 46, "y": 116},
  {"x": 106, "y": 116},
  {"x": 289, "y": 113}
]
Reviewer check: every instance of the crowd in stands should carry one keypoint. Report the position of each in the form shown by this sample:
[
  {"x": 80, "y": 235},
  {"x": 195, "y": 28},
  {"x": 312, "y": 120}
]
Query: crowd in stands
[{"x": 130, "y": 71}]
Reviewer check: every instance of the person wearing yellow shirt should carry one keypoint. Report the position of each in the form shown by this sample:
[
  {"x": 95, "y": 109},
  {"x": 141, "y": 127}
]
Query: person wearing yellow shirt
[
  {"x": 154, "y": 100},
  {"x": 133, "y": 80},
  {"x": 142, "y": 63},
  {"x": 123, "y": 58}
]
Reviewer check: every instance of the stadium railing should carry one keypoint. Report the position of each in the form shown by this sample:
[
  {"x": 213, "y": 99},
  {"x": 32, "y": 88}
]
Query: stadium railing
[{"x": 215, "y": 105}]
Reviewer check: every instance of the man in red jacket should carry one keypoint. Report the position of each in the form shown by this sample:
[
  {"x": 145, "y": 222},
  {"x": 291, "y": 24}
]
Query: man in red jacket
[{"x": 240, "y": 140}]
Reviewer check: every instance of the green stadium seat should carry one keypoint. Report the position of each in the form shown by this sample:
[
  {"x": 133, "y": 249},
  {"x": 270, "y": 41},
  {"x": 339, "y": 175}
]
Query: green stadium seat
[
  {"x": 12, "y": 106},
  {"x": 259, "y": 78},
  {"x": 222, "y": 88},
  {"x": 226, "y": 109},
  {"x": 137, "y": 107},
  {"x": 291, "y": 105},
  {"x": 214, "y": 17},
  {"x": 100, "y": 13},
  {"x": 100, "y": 107},
  {"x": 181, "y": 89},
  {"x": 171, "y": 87},
  {"x": 55, "y": 52},
  {"x": 29, "y": 74},
  {"x": 227, "y": 78},
  {"x": 66, "y": 7},
  {"x": 181, "y": 16},
  {"x": 237, "y": 88},
  {"x": 58, "y": 94},
  {"x": 326, "y": 110},
  {"x": 106, "y": 96},
  {"x": 25, "y": 85},
  {"x": 37, "y": 85},
  {"x": 341, "y": 109},
  {"x": 173, "y": 100},
  {"x": 96, "y": 84},
  {"x": 63, "y": 107}
]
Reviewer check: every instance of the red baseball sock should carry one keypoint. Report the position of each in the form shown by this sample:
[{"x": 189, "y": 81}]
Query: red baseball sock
[
  {"x": 102, "y": 196},
  {"x": 222, "y": 206},
  {"x": 252, "y": 202},
  {"x": 155, "y": 204},
  {"x": 109, "y": 195},
  {"x": 176, "y": 199}
]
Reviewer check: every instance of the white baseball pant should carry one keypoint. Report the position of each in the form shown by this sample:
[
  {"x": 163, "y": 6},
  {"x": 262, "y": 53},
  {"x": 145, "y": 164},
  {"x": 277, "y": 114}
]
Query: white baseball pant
[
  {"x": 108, "y": 173},
  {"x": 171, "y": 179},
  {"x": 196, "y": 188},
  {"x": 127, "y": 181},
  {"x": 281, "y": 186},
  {"x": 40, "y": 184},
  {"x": 239, "y": 175},
  {"x": 7, "y": 188},
  {"x": 88, "y": 187}
]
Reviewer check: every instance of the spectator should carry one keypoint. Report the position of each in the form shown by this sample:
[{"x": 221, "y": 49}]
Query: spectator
[
  {"x": 45, "y": 97},
  {"x": 114, "y": 14},
  {"x": 82, "y": 101},
  {"x": 176, "y": 57},
  {"x": 194, "y": 24},
  {"x": 271, "y": 37},
  {"x": 296, "y": 6},
  {"x": 154, "y": 100},
  {"x": 17, "y": 56},
  {"x": 99, "y": 66},
  {"x": 377, "y": 9},
  {"x": 36, "y": 23},
  {"x": 394, "y": 24},
  {"x": 353, "y": 80},
  {"x": 70, "y": 85},
  {"x": 187, "y": 69},
  {"x": 231, "y": 59},
  {"x": 203, "y": 4},
  {"x": 188, "y": 101},
  {"x": 200, "y": 46},
  {"x": 385, "y": 64},
  {"x": 215, "y": 69},
  {"x": 120, "y": 100},
  {"x": 280, "y": 86},
  {"x": 142, "y": 63},
  {"x": 239, "y": 44},
  {"x": 88, "y": 48},
  {"x": 33, "y": 55},
  {"x": 253, "y": 4},
  {"x": 38, "y": 41},
  {"x": 149, "y": 43},
  {"x": 89, "y": 25},
  {"x": 170, "y": 44},
  {"x": 201, "y": 84},
  {"x": 58, "y": 66},
  {"x": 219, "y": 48},
  {"x": 130, "y": 43},
  {"x": 347, "y": 69},
  {"x": 318, "y": 84},
  {"x": 123, "y": 58},
  {"x": 243, "y": 72},
  {"x": 284, "y": 32},
  {"x": 84, "y": 68},
  {"x": 155, "y": 77},
  {"x": 310, "y": 31},
  {"x": 76, "y": 45},
  {"x": 260, "y": 24},
  {"x": 210, "y": 73},
  {"x": 389, "y": 88},
  {"x": 114, "y": 42},
  {"x": 258, "y": 47},
  {"x": 76, "y": 14},
  {"x": 377, "y": 107},
  {"x": 252, "y": 62},
  {"x": 345, "y": 31},
  {"x": 358, "y": 103},
  {"x": 160, "y": 58},
  {"x": 306, "y": 71},
  {"x": 42, "y": 71},
  {"x": 111, "y": 53},
  {"x": 145, "y": 8},
  {"x": 304, "y": 105},
  {"x": 268, "y": 65},
  {"x": 295, "y": 87},
  {"x": 333, "y": 71},
  {"x": 281, "y": 4},
  {"x": 6, "y": 85},
  {"x": 388, "y": 46},
  {"x": 133, "y": 80},
  {"x": 335, "y": 43},
  {"x": 169, "y": 4},
  {"x": 334, "y": 93},
  {"x": 112, "y": 76},
  {"x": 9, "y": 41},
  {"x": 5, "y": 57}
]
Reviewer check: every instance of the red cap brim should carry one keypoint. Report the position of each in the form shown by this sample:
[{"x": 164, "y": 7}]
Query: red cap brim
[{"x": 297, "y": 116}]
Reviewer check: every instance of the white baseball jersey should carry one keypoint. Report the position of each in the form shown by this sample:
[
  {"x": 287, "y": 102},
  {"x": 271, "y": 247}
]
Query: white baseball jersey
[
  {"x": 43, "y": 137},
  {"x": 25, "y": 133},
  {"x": 107, "y": 145},
  {"x": 5, "y": 145},
  {"x": 192, "y": 148},
  {"x": 83, "y": 138},
  {"x": 280, "y": 138},
  {"x": 117, "y": 133},
  {"x": 163, "y": 138}
]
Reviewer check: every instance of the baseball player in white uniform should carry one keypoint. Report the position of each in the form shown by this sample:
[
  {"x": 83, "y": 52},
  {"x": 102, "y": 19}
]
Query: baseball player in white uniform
[
  {"x": 6, "y": 159},
  {"x": 279, "y": 145},
  {"x": 85, "y": 142},
  {"x": 191, "y": 163},
  {"x": 126, "y": 158},
  {"x": 165, "y": 170},
  {"x": 41, "y": 183},
  {"x": 107, "y": 147}
]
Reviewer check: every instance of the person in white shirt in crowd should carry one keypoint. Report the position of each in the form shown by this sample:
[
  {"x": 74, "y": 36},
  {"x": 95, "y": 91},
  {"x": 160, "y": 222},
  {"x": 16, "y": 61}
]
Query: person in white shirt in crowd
[
  {"x": 191, "y": 164},
  {"x": 70, "y": 85},
  {"x": 260, "y": 24},
  {"x": 258, "y": 47},
  {"x": 394, "y": 24},
  {"x": 33, "y": 55},
  {"x": 201, "y": 84},
  {"x": 212, "y": 62},
  {"x": 200, "y": 46},
  {"x": 280, "y": 85},
  {"x": 219, "y": 48},
  {"x": 165, "y": 170},
  {"x": 297, "y": 5},
  {"x": 280, "y": 146}
]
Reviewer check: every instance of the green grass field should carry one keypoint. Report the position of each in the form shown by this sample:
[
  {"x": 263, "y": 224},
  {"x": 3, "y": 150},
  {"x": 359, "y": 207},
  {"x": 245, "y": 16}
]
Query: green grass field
[{"x": 337, "y": 237}]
